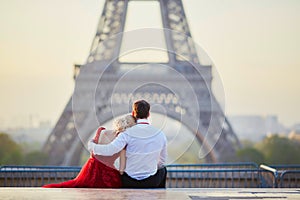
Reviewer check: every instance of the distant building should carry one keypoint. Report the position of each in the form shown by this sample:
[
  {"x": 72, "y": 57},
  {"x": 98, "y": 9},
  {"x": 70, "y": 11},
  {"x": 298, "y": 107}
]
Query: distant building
[
  {"x": 295, "y": 133},
  {"x": 256, "y": 127},
  {"x": 37, "y": 133}
]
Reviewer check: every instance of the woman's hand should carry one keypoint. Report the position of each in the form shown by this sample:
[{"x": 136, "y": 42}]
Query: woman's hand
[{"x": 96, "y": 138}]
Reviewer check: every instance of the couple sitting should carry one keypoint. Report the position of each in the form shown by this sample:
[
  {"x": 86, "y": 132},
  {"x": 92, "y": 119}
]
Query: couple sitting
[{"x": 142, "y": 150}]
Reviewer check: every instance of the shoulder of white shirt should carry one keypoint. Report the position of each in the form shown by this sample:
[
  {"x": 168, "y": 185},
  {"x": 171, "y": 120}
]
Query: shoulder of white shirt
[{"x": 142, "y": 130}]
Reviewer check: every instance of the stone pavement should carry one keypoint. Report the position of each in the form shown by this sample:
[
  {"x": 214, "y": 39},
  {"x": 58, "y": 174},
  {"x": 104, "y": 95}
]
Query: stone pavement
[{"x": 137, "y": 194}]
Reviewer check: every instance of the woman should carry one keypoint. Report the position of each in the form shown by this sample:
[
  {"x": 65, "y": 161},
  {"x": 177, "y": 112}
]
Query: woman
[{"x": 99, "y": 171}]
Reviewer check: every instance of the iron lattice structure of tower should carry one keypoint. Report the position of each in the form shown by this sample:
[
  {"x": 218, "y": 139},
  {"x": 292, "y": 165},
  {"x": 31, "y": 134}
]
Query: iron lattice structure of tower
[{"x": 74, "y": 127}]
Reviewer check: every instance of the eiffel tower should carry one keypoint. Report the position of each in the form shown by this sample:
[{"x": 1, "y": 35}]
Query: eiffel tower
[{"x": 105, "y": 86}]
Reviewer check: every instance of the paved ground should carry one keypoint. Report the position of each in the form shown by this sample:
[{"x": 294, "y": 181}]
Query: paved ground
[{"x": 138, "y": 194}]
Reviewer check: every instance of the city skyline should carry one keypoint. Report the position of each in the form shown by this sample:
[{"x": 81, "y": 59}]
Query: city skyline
[{"x": 254, "y": 46}]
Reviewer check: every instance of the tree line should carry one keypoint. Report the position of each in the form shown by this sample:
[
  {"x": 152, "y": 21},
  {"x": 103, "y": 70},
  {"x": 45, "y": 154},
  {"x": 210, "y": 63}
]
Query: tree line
[
  {"x": 12, "y": 153},
  {"x": 271, "y": 150}
]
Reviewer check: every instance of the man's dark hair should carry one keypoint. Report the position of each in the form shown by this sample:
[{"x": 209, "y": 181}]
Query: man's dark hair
[{"x": 140, "y": 109}]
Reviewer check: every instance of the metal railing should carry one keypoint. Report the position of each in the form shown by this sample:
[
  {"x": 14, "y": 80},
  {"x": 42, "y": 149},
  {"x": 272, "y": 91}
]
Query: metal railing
[
  {"x": 221, "y": 175},
  {"x": 269, "y": 176},
  {"x": 213, "y": 178},
  {"x": 290, "y": 179},
  {"x": 213, "y": 175},
  {"x": 286, "y": 167},
  {"x": 283, "y": 176},
  {"x": 34, "y": 176},
  {"x": 214, "y": 166}
]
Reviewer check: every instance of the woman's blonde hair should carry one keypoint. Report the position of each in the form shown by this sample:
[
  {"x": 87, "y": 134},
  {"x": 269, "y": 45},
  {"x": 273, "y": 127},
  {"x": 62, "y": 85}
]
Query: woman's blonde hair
[{"x": 122, "y": 123}]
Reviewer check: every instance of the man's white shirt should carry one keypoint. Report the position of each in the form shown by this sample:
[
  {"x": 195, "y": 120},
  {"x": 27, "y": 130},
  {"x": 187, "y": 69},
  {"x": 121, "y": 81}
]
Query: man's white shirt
[{"x": 146, "y": 149}]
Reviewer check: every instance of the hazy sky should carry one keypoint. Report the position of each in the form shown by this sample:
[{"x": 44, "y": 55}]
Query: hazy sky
[{"x": 254, "y": 44}]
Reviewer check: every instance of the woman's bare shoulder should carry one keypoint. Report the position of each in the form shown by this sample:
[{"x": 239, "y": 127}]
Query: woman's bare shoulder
[{"x": 106, "y": 136}]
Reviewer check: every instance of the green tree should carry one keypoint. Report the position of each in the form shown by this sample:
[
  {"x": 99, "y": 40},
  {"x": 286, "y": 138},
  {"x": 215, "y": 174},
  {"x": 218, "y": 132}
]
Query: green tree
[
  {"x": 280, "y": 150},
  {"x": 35, "y": 158},
  {"x": 250, "y": 154},
  {"x": 10, "y": 151}
]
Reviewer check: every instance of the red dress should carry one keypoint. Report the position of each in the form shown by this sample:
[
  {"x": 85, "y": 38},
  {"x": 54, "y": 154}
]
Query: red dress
[{"x": 97, "y": 172}]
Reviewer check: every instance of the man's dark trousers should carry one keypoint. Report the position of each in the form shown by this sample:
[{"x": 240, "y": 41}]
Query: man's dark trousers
[{"x": 157, "y": 180}]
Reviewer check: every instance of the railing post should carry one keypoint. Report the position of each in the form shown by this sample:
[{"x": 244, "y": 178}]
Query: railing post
[{"x": 275, "y": 173}]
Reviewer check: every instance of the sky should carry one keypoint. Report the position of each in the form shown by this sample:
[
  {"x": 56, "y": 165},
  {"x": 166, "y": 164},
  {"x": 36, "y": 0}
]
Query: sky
[{"x": 254, "y": 45}]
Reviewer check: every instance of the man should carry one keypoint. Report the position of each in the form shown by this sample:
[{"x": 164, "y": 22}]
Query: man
[{"x": 146, "y": 151}]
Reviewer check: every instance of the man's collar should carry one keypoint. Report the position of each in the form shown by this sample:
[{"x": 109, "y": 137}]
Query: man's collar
[{"x": 142, "y": 121}]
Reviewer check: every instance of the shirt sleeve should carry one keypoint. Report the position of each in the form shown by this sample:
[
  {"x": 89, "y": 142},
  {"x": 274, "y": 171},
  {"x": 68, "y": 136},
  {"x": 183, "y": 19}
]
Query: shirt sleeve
[
  {"x": 109, "y": 149},
  {"x": 122, "y": 161},
  {"x": 163, "y": 154}
]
